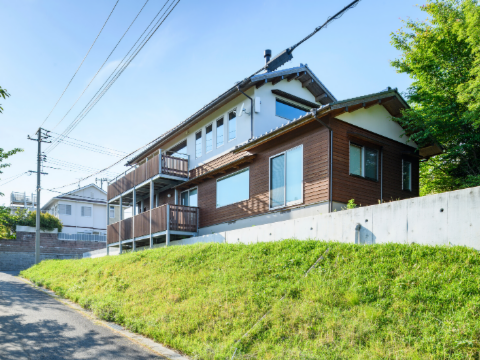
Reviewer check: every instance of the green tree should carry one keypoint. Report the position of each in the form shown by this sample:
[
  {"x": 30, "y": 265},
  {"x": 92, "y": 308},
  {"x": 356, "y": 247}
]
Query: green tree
[
  {"x": 441, "y": 55},
  {"x": 9, "y": 221},
  {"x": 3, "y": 93}
]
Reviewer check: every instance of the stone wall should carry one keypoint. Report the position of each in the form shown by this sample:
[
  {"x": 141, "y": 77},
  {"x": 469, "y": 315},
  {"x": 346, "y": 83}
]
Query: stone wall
[{"x": 19, "y": 254}]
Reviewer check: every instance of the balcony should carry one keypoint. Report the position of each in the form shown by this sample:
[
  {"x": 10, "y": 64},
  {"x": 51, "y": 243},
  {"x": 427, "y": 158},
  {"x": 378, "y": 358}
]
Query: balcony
[
  {"x": 153, "y": 226},
  {"x": 164, "y": 169},
  {"x": 17, "y": 198}
]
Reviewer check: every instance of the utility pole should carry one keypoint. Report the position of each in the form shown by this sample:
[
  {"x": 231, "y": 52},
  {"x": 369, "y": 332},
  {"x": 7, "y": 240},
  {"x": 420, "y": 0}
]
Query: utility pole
[
  {"x": 40, "y": 138},
  {"x": 101, "y": 181}
]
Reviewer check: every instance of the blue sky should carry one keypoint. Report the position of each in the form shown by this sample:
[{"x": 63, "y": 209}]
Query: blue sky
[{"x": 200, "y": 51}]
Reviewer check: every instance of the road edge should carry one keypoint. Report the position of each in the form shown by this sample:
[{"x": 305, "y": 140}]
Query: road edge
[{"x": 136, "y": 338}]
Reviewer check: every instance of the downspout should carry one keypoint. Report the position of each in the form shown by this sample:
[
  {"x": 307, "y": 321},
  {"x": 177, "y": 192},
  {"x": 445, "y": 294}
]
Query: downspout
[
  {"x": 251, "y": 111},
  {"x": 330, "y": 162}
]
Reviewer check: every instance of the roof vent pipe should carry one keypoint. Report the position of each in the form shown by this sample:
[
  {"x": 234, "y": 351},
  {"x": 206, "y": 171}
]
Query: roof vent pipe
[{"x": 267, "y": 55}]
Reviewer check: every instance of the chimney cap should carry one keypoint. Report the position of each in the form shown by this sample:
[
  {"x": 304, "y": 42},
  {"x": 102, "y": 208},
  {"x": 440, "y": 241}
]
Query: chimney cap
[{"x": 267, "y": 52}]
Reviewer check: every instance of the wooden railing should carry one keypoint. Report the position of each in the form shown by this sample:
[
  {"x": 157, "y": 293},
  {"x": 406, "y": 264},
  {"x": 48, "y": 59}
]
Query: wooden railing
[
  {"x": 182, "y": 218},
  {"x": 174, "y": 166},
  {"x": 171, "y": 165}
]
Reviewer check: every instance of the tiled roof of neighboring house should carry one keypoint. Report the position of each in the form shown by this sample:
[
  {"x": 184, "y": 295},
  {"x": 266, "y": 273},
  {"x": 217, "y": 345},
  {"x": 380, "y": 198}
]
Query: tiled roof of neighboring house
[{"x": 301, "y": 73}]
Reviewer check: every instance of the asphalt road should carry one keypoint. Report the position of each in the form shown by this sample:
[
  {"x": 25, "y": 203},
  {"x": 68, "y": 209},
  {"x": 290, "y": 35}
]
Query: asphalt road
[{"x": 33, "y": 325}]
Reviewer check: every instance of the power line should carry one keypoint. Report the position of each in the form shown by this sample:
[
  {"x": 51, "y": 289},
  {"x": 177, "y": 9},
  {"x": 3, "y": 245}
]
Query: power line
[
  {"x": 101, "y": 67},
  {"x": 88, "y": 52},
  {"x": 72, "y": 166},
  {"x": 86, "y": 142},
  {"x": 13, "y": 178},
  {"x": 81, "y": 116}
]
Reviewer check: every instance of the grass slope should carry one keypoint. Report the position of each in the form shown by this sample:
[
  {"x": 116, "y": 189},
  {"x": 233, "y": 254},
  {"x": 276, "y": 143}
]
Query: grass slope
[{"x": 360, "y": 302}]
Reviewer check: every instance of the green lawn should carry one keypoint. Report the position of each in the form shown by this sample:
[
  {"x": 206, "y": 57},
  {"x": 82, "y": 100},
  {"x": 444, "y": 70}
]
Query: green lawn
[{"x": 360, "y": 302}]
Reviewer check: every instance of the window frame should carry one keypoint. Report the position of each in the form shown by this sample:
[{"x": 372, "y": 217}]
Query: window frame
[
  {"x": 213, "y": 147},
  {"x": 231, "y": 175},
  {"x": 363, "y": 147},
  {"x": 111, "y": 207},
  {"x": 188, "y": 191},
  {"x": 291, "y": 103},
  {"x": 291, "y": 203},
  {"x": 201, "y": 135},
  {"x": 216, "y": 132},
  {"x": 228, "y": 128},
  {"x": 410, "y": 177},
  {"x": 66, "y": 212},
  {"x": 86, "y": 207}
]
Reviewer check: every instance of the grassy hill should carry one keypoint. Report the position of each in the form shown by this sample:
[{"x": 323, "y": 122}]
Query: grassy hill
[{"x": 360, "y": 302}]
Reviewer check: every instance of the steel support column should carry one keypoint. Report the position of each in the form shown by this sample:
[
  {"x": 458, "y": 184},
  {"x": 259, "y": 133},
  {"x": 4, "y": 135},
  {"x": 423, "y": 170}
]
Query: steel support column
[
  {"x": 167, "y": 234},
  {"x": 120, "y": 226},
  {"x": 151, "y": 210},
  {"x": 134, "y": 212}
]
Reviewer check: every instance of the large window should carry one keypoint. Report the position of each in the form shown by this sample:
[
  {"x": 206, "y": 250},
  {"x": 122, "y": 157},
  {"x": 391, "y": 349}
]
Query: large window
[
  {"x": 232, "y": 125},
  {"x": 233, "y": 188},
  {"x": 289, "y": 111},
  {"x": 189, "y": 197},
  {"x": 112, "y": 212},
  {"x": 198, "y": 144},
  {"x": 363, "y": 161},
  {"x": 286, "y": 178},
  {"x": 406, "y": 175},
  {"x": 209, "y": 138},
  {"x": 219, "y": 132},
  {"x": 64, "y": 209}
]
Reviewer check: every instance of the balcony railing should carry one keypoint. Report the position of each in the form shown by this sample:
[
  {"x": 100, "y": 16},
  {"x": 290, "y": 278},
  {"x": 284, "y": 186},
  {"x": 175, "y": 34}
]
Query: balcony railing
[
  {"x": 171, "y": 165},
  {"x": 180, "y": 218},
  {"x": 22, "y": 198}
]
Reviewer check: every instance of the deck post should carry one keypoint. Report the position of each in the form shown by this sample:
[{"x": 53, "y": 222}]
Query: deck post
[
  {"x": 120, "y": 226},
  {"x": 107, "y": 222},
  {"x": 160, "y": 161},
  {"x": 134, "y": 212},
  {"x": 198, "y": 219},
  {"x": 176, "y": 197},
  {"x": 167, "y": 233},
  {"x": 151, "y": 210}
]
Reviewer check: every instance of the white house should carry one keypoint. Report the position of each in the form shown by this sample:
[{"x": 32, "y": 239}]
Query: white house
[{"x": 83, "y": 211}]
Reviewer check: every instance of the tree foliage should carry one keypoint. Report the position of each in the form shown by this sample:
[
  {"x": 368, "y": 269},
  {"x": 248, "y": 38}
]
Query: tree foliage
[
  {"x": 3, "y": 93},
  {"x": 442, "y": 56},
  {"x": 9, "y": 221}
]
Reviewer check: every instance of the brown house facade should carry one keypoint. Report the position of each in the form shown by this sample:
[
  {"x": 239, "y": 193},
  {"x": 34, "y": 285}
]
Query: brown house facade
[{"x": 334, "y": 151}]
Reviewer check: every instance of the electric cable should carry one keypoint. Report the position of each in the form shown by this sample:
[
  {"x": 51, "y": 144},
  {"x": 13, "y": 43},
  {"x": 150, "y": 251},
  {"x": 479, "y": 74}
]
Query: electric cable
[
  {"x": 86, "y": 142},
  {"x": 14, "y": 178},
  {"x": 101, "y": 67},
  {"x": 88, "y": 52},
  {"x": 81, "y": 116}
]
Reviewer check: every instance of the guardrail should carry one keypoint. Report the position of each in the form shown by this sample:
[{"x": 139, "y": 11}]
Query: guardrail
[{"x": 82, "y": 237}]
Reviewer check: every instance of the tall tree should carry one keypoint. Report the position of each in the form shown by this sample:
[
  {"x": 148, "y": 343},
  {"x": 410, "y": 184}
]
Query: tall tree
[{"x": 441, "y": 55}]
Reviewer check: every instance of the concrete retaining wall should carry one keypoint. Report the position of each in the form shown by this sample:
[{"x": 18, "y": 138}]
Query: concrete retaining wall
[{"x": 451, "y": 218}]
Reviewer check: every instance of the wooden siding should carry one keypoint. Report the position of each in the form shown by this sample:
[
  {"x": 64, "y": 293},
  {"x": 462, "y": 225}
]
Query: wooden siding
[
  {"x": 159, "y": 219},
  {"x": 112, "y": 233},
  {"x": 365, "y": 191},
  {"x": 313, "y": 137},
  {"x": 142, "y": 224},
  {"x": 126, "y": 229}
]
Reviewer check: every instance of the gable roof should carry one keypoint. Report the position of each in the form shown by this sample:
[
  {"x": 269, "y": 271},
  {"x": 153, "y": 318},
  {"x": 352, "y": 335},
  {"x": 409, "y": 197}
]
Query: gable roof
[
  {"x": 72, "y": 196},
  {"x": 389, "y": 98},
  {"x": 301, "y": 73}
]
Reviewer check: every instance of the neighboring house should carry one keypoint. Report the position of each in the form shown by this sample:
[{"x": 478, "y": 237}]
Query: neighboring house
[
  {"x": 83, "y": 211},
  {"x": 276, "y": 146}
]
